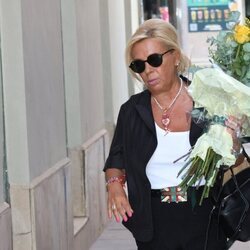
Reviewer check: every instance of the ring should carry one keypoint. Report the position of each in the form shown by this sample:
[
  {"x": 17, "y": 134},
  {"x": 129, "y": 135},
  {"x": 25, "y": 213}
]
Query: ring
[{"x": 113, "y": 207}]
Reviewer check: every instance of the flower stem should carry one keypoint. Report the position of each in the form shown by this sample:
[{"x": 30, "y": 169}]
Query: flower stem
[{"x": 238, "y": 51}]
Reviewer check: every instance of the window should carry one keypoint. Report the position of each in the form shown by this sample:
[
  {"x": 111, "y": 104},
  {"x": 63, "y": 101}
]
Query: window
[
  {"x": 247, "y": 2},
  {"x": 163, "y": 9}
]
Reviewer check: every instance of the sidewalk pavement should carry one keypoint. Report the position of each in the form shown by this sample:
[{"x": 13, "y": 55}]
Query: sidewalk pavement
[{"x": 115, "y": 236}]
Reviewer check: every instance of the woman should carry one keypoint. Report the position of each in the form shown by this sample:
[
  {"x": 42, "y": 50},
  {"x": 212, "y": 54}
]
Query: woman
[{"x": 154, "y": 129}]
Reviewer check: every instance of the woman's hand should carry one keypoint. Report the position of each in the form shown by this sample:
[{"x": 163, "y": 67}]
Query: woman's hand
[
  {"x": 234, "y": 127},
  {"x": 118, "y": 204}
]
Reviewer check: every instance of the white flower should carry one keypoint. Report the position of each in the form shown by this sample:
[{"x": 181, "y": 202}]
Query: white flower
[
  {"x": 221, "y": 142},
  {"x": 221, "y": 94}
]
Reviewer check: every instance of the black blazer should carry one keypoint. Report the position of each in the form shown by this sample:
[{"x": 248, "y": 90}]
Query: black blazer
[{"x": 133, "y": 144}]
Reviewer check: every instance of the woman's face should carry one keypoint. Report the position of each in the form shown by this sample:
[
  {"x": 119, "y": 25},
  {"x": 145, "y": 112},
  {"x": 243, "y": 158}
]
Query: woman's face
[{"x": 160, "y": 78}]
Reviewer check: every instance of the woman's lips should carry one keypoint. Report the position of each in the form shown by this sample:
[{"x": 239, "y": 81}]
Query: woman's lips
[{"x": 153, "y": 81}]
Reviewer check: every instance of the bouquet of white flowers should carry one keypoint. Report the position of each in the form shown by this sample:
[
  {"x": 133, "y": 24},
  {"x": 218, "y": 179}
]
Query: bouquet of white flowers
[{"x": 219, "y": 93}]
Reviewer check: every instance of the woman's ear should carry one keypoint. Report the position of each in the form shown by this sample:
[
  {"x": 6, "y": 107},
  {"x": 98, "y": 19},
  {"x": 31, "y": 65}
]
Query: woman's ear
[{"x": 177, "y": 58}]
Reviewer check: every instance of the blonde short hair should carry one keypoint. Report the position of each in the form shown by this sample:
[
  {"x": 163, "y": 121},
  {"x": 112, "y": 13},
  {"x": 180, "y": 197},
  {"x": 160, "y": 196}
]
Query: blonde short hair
[{"x": 164, "y": 32}]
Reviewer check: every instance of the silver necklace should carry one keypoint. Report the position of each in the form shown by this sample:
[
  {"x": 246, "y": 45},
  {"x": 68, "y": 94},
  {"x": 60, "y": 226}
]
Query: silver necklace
[{"x": 166, "y": 117}]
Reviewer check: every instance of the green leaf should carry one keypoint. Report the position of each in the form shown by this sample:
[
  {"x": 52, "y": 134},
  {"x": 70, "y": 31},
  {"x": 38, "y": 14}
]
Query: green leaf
[
  {"x": 221, "y": 36},
  {"x": 246, "y": 47},
  {"x": 238, "y": 71},
  {"x": 246, "y": 57},
  {"x": 243, "y": 71},
  {"x": 234, "y": 16},
  {"x": 229, "y": 51},
  {"x": 210, "y": 39},
  {"x": 248, "y": 74},
  {"x": 233, "y": 44}
]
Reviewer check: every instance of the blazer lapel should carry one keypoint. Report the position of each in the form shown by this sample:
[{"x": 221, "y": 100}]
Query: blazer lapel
[{"x": 144, "y": 109}]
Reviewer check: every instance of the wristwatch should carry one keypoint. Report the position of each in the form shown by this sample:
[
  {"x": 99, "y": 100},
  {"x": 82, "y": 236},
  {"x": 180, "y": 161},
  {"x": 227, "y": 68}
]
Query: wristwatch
[{"x": 237, "y": 153}]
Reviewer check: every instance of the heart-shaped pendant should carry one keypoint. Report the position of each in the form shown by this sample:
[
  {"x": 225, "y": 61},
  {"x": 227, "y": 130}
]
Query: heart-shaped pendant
[{"x": 165, "y": 121}]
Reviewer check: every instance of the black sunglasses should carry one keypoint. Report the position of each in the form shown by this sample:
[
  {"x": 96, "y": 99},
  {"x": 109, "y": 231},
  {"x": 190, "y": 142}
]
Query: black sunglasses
[{"x": 155, "y": 60}]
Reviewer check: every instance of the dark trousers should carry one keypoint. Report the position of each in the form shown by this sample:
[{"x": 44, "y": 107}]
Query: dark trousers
[{"x": 182, "y": 226}]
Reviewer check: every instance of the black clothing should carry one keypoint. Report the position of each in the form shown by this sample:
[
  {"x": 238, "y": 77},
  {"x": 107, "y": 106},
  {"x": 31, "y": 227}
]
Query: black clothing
[
  {"x": 179, "y": 226},
  {"x": 133, "y": 144}
]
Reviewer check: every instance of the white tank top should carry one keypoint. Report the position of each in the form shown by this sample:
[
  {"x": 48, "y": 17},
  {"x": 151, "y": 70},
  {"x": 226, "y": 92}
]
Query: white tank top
[{"x": 160, "y": 170}]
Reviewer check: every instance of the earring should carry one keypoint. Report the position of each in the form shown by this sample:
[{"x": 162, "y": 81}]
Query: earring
[{"x": 177, "y": 64}]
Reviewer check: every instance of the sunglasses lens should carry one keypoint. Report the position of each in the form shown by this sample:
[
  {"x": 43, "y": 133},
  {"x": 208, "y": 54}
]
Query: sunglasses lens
[
  {"x": 155, "y": 60},
  {"x": 137, "y": 66}
]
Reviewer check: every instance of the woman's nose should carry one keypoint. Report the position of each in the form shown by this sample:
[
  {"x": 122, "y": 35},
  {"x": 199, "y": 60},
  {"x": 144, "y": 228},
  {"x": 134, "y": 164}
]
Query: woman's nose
[{"x": 148, "y": 68}]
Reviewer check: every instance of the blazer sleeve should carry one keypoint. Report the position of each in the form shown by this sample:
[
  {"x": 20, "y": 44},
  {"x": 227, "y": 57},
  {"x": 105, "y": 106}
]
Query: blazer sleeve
[{"x": 116, "y": 152}]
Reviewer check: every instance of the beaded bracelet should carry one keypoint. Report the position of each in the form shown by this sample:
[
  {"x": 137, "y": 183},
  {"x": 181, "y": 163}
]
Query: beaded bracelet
[{"x": 120, "y": 179}]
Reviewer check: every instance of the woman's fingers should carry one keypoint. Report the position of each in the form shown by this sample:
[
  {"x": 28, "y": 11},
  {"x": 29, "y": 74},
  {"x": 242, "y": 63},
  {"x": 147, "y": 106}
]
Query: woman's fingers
[
  {"x": 235, "y": 123},
  {"x": 113, "y": 210},
  {"x": 110, "y": 210},
  {"x": 116, "y": 214},
  {"x": 118, "y": 204},
  {"x": 124, "y": 209},
  {"x": 234, "y": 126},
  {"x": 128, "y": 210},
  {"x": 120, "y": 208}
]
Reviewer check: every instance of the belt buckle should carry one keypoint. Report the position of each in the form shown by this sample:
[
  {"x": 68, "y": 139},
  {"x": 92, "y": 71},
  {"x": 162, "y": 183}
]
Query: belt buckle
[{"x": 173, "y": 194}]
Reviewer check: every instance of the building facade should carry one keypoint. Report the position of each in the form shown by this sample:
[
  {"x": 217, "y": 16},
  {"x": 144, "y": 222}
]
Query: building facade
[{"x": 59, "y": 102}]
